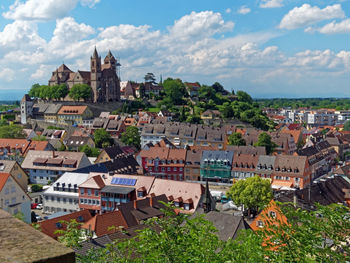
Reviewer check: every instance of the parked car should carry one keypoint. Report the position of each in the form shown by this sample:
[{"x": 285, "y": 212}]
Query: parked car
[
  {"x": 33, "y": 205},
  {"x": 39, "y": 206},
  {"x": 38, "y": 218}
]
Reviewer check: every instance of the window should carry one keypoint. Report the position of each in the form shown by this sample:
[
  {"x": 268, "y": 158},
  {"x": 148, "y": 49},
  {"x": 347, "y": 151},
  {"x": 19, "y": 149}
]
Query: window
[
  {"x": 169, "y": 169},
  {"x": 272, "y": 214},
  {"x": 96, "y": 192},
  {"x": 52, "y": 198},
  {"x": 58, "y": 199},
  {"x": 80, "y": 219},
  {"x": 13, "y": 189},
  {"x": 13, "y": 200},
  {"x": 89, "y": 191},
  {"x": 89, "y": 201},
  {"x": 139, "y": 193},
  {"x": 187, "y": 206},
  {"x": 175, "y": 169},
  {"x": 58, "y": 225},
  {"x": 7, "y": 202},
  {"x": 181, "y": 169},
  {"x": 82, "y": 191},
  {"x": 260, "y": 223},
  {"x": 97, "y": 202},
  {"x": 7, "y": 191}
]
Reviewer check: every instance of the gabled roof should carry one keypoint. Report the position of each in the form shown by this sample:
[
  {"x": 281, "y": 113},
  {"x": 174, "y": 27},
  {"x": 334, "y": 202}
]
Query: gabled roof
[
  {"x": 63, "y": 68},
  {"x": 105, "y": 223},
  {"x": 3, "y": 179},
  {"x": 51, "y": 225},
  {"x": 228, "y": 225},
  {"x": 95, "y": 182}
]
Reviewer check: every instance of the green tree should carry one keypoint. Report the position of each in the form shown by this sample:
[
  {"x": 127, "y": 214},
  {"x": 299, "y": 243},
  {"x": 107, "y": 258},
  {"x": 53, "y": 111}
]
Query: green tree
[
  {"x": 102, "y": 138},
  {"x": 131, "y": 137},
  {"x": 174, "y": 91},
  {"x": 80, "y": 91},
  {"x": 20, "y": 216},
  {"x": 89, "y": 151},
  {"x": 150, "y": 78},
  {"x": 265, "y": 140},
  {"x": 347, "y": 125},
  {"x": 253, "y": 193},
  {"x": 244, "y": 96},
  {"x": 236, "y": 139},
  {"x": 35, "y": 90},
  {"x": 72, "y": 235},
  {"x": 36, "y": 188},
  {"x": 12, "y": 132}
]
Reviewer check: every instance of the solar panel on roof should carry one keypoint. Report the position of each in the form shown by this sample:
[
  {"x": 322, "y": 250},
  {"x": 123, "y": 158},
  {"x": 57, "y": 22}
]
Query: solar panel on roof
[{"x": 123, "y": 181}]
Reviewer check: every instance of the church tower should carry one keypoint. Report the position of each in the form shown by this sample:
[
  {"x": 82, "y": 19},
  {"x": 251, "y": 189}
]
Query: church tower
[
  {"x": 110, "y": 61},
  {"x": 95, "y": 64}
]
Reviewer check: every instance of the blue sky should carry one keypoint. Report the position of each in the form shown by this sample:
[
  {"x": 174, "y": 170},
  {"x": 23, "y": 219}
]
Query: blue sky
[{"x": 269, "y": 48}]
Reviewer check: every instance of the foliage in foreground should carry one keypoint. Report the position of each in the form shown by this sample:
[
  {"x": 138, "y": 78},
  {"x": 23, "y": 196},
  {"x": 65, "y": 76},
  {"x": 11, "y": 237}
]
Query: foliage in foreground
[{"x": 309, "y": 236}]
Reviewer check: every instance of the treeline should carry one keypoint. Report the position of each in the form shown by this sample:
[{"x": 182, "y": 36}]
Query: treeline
[
  {"x": 311, "y": 103},
  {"x": 58, "y": 92}
]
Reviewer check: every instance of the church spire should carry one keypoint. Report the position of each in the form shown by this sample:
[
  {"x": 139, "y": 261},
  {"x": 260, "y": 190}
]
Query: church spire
[
  {"x": 95, "y": 55},
  {"x": 109, "y": 54}
]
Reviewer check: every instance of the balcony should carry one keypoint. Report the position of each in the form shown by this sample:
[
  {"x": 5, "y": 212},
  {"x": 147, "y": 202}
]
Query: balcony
[{"x": 103, "y": 198}]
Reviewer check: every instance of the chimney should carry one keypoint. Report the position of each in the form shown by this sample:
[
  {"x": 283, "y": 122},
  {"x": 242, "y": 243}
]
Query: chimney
[
  {"x": 135, "y": 204},
  {"x": 151, "y": 201},
  {"x": 53, "y": 154}
]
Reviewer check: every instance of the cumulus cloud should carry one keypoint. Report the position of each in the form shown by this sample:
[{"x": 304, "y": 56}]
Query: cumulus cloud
[
  {"x": 40, "y": 10},
  {"x": 228, "y": 10},
  {"x": 196, "y": 25},
  {"x": 307, "y": 15},
  {"x": 188, "y": 49},
  {"x": 243, "y": 10},
  {"x": 271, "y": 3},
  {"x": 44, "y": 10},
  {"x": 342, "y": 27}
]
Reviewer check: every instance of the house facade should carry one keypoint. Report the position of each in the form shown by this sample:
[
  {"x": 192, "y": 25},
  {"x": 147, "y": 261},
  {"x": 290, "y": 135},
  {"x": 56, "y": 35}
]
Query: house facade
[
  {"x": 74, "y": 115},
  {"x": 216, "y": 166},
  {"x": 13, "y": 198}
]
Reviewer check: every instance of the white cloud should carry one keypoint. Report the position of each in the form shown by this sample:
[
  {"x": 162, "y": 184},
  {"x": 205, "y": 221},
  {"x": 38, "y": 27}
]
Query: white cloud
[
  {"x": 196, "y": 25},
  {"x": 7, "y": 74},
  {"x": 243, "y": 10},
  {"x": 342, "y": 27},
  {"x": 41, "y": 72},
  {"x": 40, "y": 10},
  {"x": 44, "y": 10},
  {"x": 271, "y": 3},
  {"x": 228, "y": 10},
  {"x": 89, "y": 3},
  {"x": 307, "y": 15}
]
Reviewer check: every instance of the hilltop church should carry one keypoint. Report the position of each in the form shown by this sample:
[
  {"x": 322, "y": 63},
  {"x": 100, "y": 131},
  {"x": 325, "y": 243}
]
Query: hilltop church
[{"x": 103, "y": 79}]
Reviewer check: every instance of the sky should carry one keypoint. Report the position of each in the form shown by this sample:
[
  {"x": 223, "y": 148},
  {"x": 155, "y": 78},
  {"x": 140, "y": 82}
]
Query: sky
[{"x": 268, "y": 48}]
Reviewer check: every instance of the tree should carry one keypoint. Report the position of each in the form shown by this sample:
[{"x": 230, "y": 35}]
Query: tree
[
  {"x": 265, "y": 140},
  {"x": 236, "y": 139},
  {"x": 253, "y": 193},
  {"x": 142, "y": 90},
  {"x": 131, "y": 137},
  {"x": 219, "y": 88},
  {"x": 244, "y": 96},
  {"x": 36, "y": 188},
  {"x": 150, "y": 78},
  {"x": 347, "y": 125},
  {"x": 72, "y": 235},
  {"x": 12, "y": 132},
  {"x": 89, "y": 151},
  {"x": 174, "y": 91},
  {"x": 80, "y": 91},
  {"x": 35, "y": 90},
  {"x": 102, "y": 138}
]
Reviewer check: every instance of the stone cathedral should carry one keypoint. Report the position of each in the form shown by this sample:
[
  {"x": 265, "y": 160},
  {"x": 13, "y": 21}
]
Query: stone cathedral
[{"x": 103, "y": 78}]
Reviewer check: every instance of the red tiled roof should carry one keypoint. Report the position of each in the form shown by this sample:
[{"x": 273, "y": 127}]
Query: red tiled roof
[
  {"x": 49, "y": 226},
  {"x": 101, "y": 224},
  {"x": 72, "y": 110},
  {"x": 3, "y": 179}
]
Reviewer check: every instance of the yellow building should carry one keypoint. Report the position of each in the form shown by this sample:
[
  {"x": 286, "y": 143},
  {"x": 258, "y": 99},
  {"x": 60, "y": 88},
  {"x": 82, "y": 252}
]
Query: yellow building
[
  {"x": 74, "y": 115},
  {"x": 50, "y": 114}
]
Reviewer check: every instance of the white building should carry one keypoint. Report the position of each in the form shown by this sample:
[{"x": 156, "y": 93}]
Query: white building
[
  {"x": 63, "y": 194},
  {"x": 26, "y": 108},
  {"x": 13, "y": 197},
  {"x": 46, "y": 166}
]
